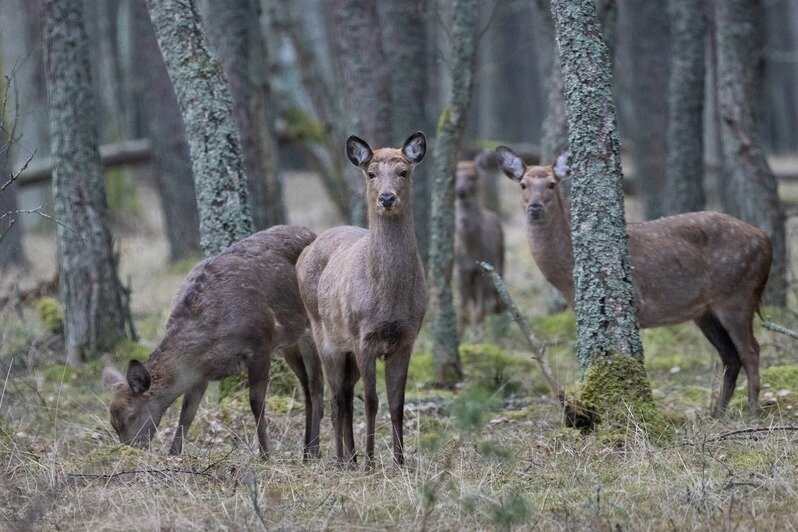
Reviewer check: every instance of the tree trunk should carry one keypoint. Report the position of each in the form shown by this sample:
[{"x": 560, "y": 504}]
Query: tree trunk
[
  {"x": 754, "y": 195},
  {"x": 207, "y": 109},
  {"x": 165, "y": 127},
  {"x": 685, "y": 185},
  {"x": 235, "y": 32},
  {"x": 364, "y": 80},
  {"x": 608, "y": 339},
  {"x": 94, "y": 312},
  {"x": 404, "y": 35},
  {"x": 451, "y": 127},
  {"x": 646, "y": 62}
]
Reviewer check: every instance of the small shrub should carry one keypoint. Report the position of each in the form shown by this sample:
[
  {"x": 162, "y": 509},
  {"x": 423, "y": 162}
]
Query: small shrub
[{"x": 51, "y": 315}]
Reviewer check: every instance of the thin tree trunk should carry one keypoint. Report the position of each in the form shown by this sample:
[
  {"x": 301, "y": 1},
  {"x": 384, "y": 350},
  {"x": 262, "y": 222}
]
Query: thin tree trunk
[
  {"x": 608, "y": 339},
  {"x": 451, "y": 127},
  {"x": 364, "y": 80},
  {"x": 685, "y": 185},
  {"x": 234, "y": 30},
  {"x": 165, "y": 127},
  {"x": 92, "y": 295},
  {"x": 647, "y": 63},
  {"x": 207, "y": 108},
  {"x": 404, "y": 34},
  {"x": 754, "y": 196}
]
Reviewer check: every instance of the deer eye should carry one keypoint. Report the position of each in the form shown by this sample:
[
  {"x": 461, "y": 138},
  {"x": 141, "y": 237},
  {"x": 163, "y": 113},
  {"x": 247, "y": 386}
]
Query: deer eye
[
  {"x": 131, "y": 418},
  {"x": 371, "y": 175},
  {"x": 403, "y": 173},
  {"x": 551, "y": 185},
  {"x": 523, "y": 186}
]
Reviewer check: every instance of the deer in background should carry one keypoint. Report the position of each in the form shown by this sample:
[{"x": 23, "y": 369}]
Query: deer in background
[
  {"x": 364, "y": 292},
  {"x": 231, "y": 312},
  {"x": 477, "y": 237},
  {"x": 702, "y": 266}
]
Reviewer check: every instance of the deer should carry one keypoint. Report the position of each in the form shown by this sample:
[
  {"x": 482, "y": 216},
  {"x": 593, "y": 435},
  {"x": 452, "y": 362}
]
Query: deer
[
  {"x": 230, "y": 313},
  {"x": 365, "y": 295},
  {"x": 478, "y": 237},
  {"x": 706, "y": 267}
]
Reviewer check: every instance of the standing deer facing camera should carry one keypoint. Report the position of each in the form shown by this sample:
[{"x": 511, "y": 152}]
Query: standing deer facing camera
[
  {"x": 365, "y": 295},
  {"x": 478, "y": 237},
  {"x": 702, "y": 266},
  {"x": 230, "y": 313}
]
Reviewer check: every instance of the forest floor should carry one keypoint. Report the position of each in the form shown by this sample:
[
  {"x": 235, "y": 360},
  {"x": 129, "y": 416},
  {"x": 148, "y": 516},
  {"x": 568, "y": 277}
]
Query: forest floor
[{"x": 493, "y": 454}]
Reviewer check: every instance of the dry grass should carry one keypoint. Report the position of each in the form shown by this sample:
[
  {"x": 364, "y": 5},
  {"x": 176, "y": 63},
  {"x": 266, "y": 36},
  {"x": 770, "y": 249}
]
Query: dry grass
[{"x": 499, "y": 460}]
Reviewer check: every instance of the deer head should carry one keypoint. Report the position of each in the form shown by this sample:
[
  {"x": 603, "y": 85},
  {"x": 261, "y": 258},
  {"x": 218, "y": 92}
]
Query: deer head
[
  {"x": 539, "y": 184},
  {"x": 387, "y": 172},
  {"x": 135, "y": 414},
  {"x": 466, "y": 180}
]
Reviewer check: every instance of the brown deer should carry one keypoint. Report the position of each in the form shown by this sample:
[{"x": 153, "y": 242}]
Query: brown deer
[
  {"x": 365, "y": 294},
  {"x": 230, "y": 313},
  {"x": 703, "y": 266},
  {"x": 477, "y": 237}
]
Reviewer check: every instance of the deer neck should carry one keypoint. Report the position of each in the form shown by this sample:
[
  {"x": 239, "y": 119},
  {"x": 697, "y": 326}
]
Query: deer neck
[
  {"x": 552, "y": 248},
  {"x": 165, "y": 385},
  {"x": 392, "y": 249}
]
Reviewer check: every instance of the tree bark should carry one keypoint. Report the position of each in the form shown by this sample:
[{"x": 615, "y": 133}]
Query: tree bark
[
  {"x": 92, "y": 295},
  {"x": 646, "y": 65},
  {"x": 172, "y": 166},
  {"x": 451, "y": 127},
  {"x": 404, "y": 39},
  {"x": 363, "y": 70},
  {"x": 608, "y": 338},
  {"x": 234, "y": 30},
  {"x": 207, "y": 109},
  {"x": 754, "y": 195},
  {"x": 685, "y": 135}
]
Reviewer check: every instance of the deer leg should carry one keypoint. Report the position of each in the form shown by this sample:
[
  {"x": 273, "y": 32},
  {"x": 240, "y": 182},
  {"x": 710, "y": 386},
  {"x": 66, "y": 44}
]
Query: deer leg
[
  {"x": 294, "y": 357},
  {"x": 312, "y": 363},
  {"x": 351, "y": 376},
  {"x": 396, "y": 380},
  {"x": 465, "y": 300},
  {"x": 714, "y": 331},
  {"x": 480, "y": 302},
  {"x": 191, "y": 401},
  {"x": 739, "y": 326},
  {"x": 334, "y": 369},
  {"x": 368, "y": 371},
  {"x": 258, "y": 379}
]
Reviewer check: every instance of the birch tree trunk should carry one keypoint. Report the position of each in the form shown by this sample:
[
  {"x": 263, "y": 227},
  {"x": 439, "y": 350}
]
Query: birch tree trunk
[
  {"x": 365, "y": 83},
  {"x": 451, "y": 127},
  {"x": 165, "y": 127},
  {"x": 685, "y": 134},
  {"x": 234, "y": 29},
  {"x": 608, "y": 339},
  {"x": 754, "y": 196},
  {"x": 404, "y": 39},
  {"x": 94, "y": 314},
  {"x": 207, "y": 109}
]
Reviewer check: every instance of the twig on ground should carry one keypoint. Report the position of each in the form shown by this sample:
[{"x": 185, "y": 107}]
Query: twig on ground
[
  {"x": 537, "y": 348},
  {"x": 775, "y": 327},
  {"x": 751, "y": 430},
  {"x": 75, "y": 478}
]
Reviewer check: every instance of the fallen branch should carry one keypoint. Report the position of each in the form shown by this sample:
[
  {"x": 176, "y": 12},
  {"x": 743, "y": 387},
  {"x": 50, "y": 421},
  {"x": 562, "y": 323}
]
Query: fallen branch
[
  {"x": 535, "y": 345},
  {"x": 775, "y": 327},
  {"x": 75, "y": 478},
  {"x": 751, "y": 430}
]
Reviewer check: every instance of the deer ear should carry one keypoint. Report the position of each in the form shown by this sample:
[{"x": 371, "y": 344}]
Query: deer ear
[
  {"x": 358, "y": 151},
  {"x": 415, "y": 147},
  {"x": 511, "y": 164},
  {"x": 560, "y": 166},
  {"x": 138, "y": 378},
  {"x": 113, "y": 380}
]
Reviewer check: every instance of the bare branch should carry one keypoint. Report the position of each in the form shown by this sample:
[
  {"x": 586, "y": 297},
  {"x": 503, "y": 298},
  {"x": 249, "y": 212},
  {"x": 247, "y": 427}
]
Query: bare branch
[
  {"x": 751, "y": 430},
  {"x": 775, "y": 327}
]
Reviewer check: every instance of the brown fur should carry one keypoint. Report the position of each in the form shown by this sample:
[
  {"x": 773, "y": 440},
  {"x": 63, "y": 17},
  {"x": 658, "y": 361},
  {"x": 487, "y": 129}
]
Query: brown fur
[
  {"x": 229, "y": 314},
  {"x": 705, "y": 266},
  {"x": 478, "y": 237},
  {"x": 365, "y": 296}
]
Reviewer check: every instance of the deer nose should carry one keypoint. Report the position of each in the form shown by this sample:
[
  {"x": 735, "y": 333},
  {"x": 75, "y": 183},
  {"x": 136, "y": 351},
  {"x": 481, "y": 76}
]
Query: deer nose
[
  {"x": 461, "y": 192},
  {"x": 535, "y": 210},
  {"x": 387, "y": 199}
]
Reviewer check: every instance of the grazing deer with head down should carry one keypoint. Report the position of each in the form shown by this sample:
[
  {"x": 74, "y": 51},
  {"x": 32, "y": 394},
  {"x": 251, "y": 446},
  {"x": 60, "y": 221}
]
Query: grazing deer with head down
[
  {"x": 478, "y": 237},
  {"x": 230, "y": 313},
  {"x": 702, "y": 266},
  {"x": 365, "y": 294}
]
